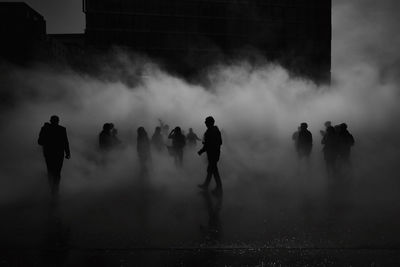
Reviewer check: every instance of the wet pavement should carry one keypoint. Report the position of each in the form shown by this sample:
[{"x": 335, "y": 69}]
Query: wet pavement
[{"x": 161, "y": 218}]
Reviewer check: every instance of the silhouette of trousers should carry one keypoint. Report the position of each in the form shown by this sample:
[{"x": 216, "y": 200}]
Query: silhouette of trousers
[
  {"x": 212, "y": 170},
  {"x": 54, "y": 164},
  {"x": 178, "y": 156}
]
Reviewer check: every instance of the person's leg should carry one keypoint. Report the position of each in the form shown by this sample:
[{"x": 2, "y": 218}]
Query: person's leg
[
  {"x": 176, "y": 160},
  {"x": 217, "y": 177},
  {"x": 51, "y": 171},
  {"x": 58, "y": 163},
  {"x": 208, "y": 177},
  {"x": 180, "y": 157}
]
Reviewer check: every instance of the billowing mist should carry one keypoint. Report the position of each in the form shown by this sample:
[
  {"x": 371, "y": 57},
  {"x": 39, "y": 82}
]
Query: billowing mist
[{"x": 256, "y": 108}]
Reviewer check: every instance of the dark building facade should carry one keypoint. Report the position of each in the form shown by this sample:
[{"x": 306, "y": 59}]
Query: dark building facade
[
  {"x": 23, "y": 32},
  {"x": 192, "y": 34},
  {"x": 24, "y": 40}
]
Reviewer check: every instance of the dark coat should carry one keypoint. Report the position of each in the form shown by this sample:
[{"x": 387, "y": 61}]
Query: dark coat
[
  {"x": 53, "y": 138},
  {"x": 212, "y": 143},
  {"x": 178, "y": 141},
  {"x": 304, "y": 141}
]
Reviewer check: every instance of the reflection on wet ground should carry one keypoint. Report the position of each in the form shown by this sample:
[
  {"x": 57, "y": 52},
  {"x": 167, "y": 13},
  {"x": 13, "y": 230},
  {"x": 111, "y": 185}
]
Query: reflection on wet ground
[{"x": 152, "y": 219}]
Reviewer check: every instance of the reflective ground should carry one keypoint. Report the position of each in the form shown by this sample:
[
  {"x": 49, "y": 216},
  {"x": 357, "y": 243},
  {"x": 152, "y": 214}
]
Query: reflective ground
[{"x": 161, "y": 218}]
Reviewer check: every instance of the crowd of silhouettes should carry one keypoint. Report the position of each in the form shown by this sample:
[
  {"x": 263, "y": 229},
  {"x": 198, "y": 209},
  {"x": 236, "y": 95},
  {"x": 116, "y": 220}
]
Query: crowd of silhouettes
[
  {"x": 160, "y": 142},
  {"x": 336, "y": 140},
  {"x": 53, "y": 138}
]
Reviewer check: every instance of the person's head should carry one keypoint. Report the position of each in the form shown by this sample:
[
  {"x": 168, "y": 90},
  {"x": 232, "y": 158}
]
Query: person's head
[
  {"x": 141, "y": 132},
  {"x": 330, "y": 130},
  {"x": 209, "y": 121},
  {"x": 343, "y": 127},
  {"x": 178, "y": 130},
  {"x": 106, "y": 127},
  {"x": 157, "y": 130},
  {"x": 303, "y": 126},
  {"x": 327, "y": 124},
  {"x": 54, "y": 120},
  {"x": 190, "y": 130}
]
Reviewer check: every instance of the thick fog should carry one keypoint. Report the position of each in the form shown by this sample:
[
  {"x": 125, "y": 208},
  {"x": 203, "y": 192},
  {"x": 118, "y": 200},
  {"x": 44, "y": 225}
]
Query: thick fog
[{"x": 256, "y": 108}]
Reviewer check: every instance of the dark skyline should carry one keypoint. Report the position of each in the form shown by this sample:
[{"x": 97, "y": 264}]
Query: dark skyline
[
  {"x": 364, "y": 23},
  {"x": 61, "y": 16}
]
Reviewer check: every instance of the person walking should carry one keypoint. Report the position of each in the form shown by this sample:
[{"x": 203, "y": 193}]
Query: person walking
[
  {"x": 212, "y": 146},
  {"x": 54, "y": 141}
]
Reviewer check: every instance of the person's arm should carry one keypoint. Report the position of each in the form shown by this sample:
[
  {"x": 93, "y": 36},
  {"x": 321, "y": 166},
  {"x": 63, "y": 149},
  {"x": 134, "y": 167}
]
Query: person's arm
[
  {"x": 41, "y": 137},
  {"x": 66, "y": 145},
  {"x": 323, "y": 141},
  {"x": 202, "y": 150},
  {"x": 171, "y": 134}
]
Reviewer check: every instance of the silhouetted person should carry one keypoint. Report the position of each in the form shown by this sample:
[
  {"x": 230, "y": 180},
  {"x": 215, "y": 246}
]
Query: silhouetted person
[
  {"x": 337, "y": 129},
  {"x": 304, "y": 141},
  {"x": 105, "y": 137},
  {"x": 192, "y": 138},
  {"x": 157, "y": 139},
  {"x": 178, "y": 143},
  {"x": 143, "y": 147},
  {"x": 346, "y": 141},
  {"x": 164, "y": 131},
  {"x": 212, "y": 146},
  {"x": 53, "y": 138},
  {"x": 115, "y": 142},
  {"x": 330, "y": 149},
  {"x": 327, "y": 124}
]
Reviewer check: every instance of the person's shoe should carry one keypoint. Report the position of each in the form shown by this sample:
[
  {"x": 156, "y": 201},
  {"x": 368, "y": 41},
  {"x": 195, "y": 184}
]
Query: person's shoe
[{"x": 202, "y": 186}]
